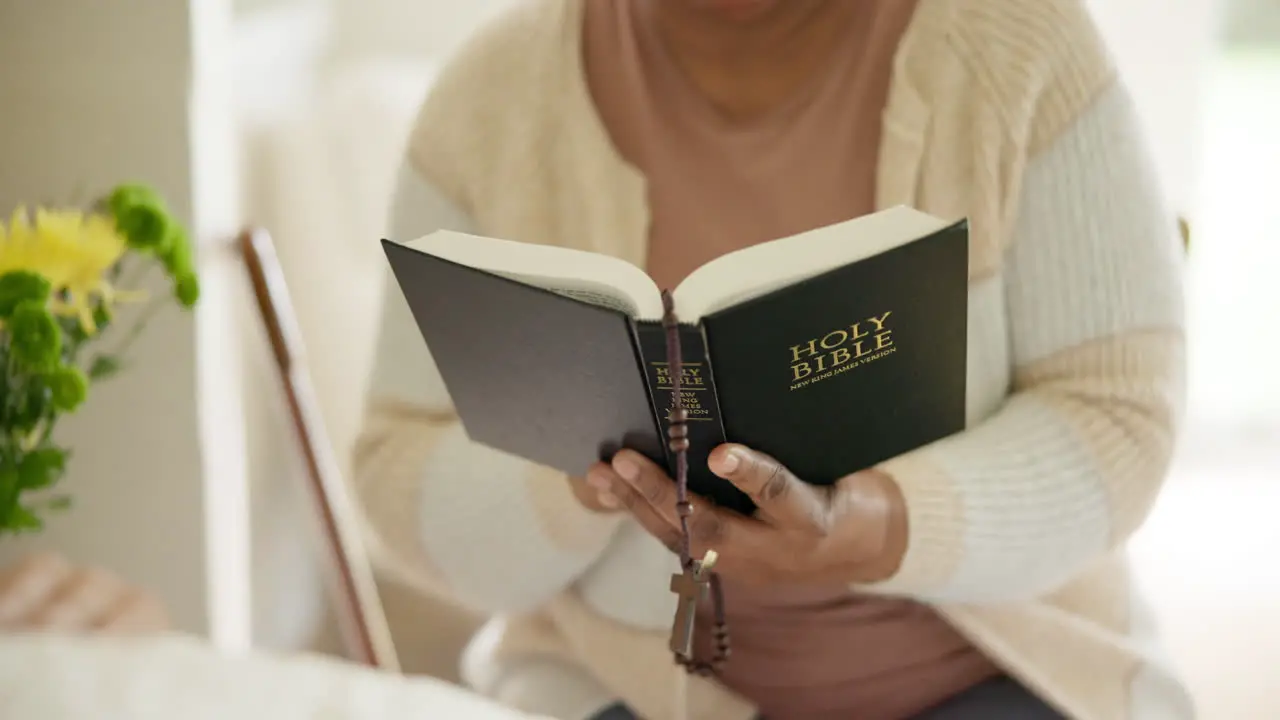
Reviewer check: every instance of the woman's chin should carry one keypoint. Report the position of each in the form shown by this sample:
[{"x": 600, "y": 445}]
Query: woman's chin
[{"x": 735, "y": 9}]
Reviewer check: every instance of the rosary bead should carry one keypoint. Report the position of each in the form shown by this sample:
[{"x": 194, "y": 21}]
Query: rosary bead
[
  {"x": 684, "y": 508},
  {"x": 679, "y": 415},
  {"x": 678, "y": 431},
  {"x": 678, "y": 444}
]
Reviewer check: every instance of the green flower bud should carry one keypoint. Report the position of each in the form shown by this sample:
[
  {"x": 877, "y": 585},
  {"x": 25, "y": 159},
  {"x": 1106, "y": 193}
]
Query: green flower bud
[
  {"x": 141, "y": 217},
  {"x": 34, "y": 336},
  {"x": 186, "y": 288},
  {"x": 41, "y": 468},
  {"x": 68, "y": 386},
  {"x": 18, "y": 286},
  {"x": 177, "y": 255},
  {"x": 133, "y": 193}
]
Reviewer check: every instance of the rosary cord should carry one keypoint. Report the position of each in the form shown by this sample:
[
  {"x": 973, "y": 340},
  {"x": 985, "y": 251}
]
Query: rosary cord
[
  {"x": 678, "y": 442},
  {"x": 678, "y": 437}
]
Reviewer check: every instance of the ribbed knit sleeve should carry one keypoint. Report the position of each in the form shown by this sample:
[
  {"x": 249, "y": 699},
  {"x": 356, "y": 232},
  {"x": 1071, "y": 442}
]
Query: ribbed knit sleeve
[
  {"x": 1069, "y": 466},
  {"x": 445, "y": 514}
]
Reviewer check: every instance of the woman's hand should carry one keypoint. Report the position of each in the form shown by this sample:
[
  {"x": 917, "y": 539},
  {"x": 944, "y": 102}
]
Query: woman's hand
[
  {"x": 851, "y": 532},
  {"x": 593, "y": 495},
  {"x": 46, "y": 592}
]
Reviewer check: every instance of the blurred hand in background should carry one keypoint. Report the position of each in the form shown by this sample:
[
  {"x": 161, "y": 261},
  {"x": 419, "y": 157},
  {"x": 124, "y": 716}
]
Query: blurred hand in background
[{"x": 47, "y": 592}]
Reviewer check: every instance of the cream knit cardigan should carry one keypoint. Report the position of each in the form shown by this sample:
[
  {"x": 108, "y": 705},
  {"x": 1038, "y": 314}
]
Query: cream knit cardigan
[{"x": 1008, "y": 112}]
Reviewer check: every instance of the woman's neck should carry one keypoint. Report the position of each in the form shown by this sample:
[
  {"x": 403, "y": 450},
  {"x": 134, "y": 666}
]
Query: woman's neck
[{"x": 747, "y": 67}]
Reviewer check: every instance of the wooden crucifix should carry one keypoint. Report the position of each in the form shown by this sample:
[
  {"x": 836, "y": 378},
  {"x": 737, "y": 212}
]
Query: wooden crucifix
[{"x": 691, "y": 587}]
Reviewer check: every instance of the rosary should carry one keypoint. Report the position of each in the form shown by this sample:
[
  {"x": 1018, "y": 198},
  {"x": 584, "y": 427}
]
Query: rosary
[{"x": 696, "y": 579}]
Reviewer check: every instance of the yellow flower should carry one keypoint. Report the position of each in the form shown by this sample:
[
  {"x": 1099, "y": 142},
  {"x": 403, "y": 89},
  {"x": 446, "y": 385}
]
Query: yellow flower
[{"x": 73, "y": 250}]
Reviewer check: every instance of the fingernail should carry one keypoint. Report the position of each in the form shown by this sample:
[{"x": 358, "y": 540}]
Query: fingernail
[
  {"x": 729, "y": 460},
  {"x": 598, "y": 481},
  {"x": 627, "y": 469},
  {"x": 608, "y": 500}
]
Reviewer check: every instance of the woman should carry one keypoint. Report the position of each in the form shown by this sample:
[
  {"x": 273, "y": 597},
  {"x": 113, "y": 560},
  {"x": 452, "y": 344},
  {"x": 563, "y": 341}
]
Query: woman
[{"x": 980, "y": 577}]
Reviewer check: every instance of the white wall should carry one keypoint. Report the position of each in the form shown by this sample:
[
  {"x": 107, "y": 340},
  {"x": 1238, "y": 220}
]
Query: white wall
[
  {"x": 1163, "y": 48},
  {"x": 93, "y": 95},
  {"x": 1253, "y": 22}
]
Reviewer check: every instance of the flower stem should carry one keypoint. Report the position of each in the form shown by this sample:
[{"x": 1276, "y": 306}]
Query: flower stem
[
  {"x": 135, "y": 330},
  {"x": 136, "y": 274}
]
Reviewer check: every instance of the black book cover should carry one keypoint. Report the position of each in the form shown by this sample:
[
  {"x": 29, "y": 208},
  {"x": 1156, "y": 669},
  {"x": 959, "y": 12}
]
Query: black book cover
[
  {"x": 829, "y": 375},
  {"x": 545, "y": 377}
]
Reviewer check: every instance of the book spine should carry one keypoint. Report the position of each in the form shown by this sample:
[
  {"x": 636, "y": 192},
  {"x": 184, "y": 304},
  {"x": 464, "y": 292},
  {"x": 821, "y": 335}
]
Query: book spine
[{"x": 698, "y": 396}]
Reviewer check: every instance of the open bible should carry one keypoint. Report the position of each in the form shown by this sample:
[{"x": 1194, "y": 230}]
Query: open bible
[{"x": 830, "y": 350}]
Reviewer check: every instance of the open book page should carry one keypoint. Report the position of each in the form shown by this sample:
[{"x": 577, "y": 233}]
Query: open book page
[
  {"x": 757, "y": 270},
  {"x": 587, "y": 276}
]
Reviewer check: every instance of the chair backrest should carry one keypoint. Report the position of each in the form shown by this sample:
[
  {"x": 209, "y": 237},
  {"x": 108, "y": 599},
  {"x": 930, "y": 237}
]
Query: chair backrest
[{"x": 361, "y": 612}]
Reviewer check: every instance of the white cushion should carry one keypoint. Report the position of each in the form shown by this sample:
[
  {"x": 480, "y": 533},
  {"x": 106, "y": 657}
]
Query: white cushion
[{"x": 180, "y": 678}]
